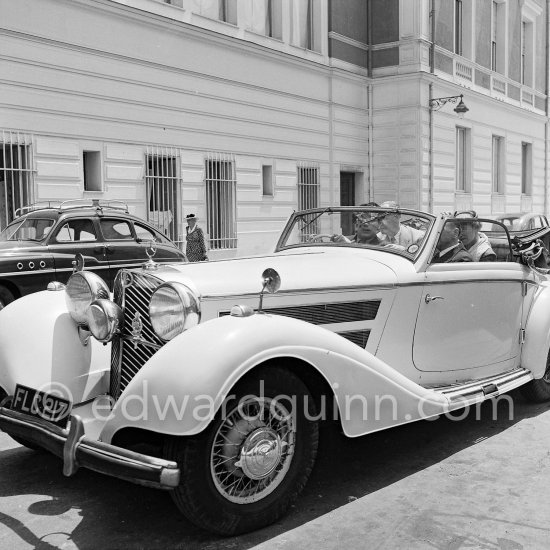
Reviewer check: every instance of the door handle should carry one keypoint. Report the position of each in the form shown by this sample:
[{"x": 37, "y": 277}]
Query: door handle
[{"x": 429, "y": 298}]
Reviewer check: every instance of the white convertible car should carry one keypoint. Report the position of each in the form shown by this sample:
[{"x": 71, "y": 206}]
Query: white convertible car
[{"x": 211, "y": 379}]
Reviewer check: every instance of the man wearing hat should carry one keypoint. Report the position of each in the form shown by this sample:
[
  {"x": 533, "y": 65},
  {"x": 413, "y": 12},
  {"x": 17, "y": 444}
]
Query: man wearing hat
[
  {"x": 449, "y": 248},
  {"x": 195, "y": 249},
  {"x": 476, "y": 243}
]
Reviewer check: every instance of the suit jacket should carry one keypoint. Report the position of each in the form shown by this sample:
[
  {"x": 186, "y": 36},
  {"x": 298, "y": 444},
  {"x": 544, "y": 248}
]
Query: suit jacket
[{"x": 457, "y": 254}]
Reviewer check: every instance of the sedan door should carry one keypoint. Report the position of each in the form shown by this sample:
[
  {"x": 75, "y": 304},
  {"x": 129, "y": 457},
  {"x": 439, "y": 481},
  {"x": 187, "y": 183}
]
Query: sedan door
[
  {"x": 73, "y": 236},
  {"x": 470, "y": 316}
]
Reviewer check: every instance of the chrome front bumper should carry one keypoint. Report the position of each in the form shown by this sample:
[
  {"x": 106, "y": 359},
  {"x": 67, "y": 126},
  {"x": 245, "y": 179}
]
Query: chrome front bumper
[{"x": 76, "y": 450}]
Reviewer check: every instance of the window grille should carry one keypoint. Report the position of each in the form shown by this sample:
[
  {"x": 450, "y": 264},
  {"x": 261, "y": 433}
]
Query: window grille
[
  {"x": 16, "y": 175},
  {"x": 163, "y": 191},
  {"x": 221, "y": 201},
  {"x": 308, "y": 197}
]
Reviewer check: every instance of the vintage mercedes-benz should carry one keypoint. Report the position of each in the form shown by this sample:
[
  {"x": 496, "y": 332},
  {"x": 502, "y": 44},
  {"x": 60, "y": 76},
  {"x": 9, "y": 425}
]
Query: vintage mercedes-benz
[{"x": 211, "y": 379}]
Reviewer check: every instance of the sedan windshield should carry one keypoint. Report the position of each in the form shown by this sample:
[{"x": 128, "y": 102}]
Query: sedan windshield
[
  {"x": 391, "y": 230},
  {"x": 30, "y": 229}
]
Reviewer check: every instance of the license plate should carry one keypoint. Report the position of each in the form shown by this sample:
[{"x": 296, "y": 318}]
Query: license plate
[{"x": 41, "y": 404}]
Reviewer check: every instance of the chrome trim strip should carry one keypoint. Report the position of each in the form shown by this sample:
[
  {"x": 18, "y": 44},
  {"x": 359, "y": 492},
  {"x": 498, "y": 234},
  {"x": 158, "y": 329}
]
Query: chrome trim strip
[{"x": 364, "y": 287}]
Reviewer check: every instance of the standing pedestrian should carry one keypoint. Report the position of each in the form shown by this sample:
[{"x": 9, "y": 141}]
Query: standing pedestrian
[{"x": 195, "y": 249}]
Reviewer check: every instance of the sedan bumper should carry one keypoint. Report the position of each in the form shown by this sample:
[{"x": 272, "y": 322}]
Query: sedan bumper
[{"x": 71, "y": 445}]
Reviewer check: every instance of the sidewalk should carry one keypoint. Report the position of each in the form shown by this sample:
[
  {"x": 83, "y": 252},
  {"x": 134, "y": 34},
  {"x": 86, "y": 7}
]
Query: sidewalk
[{"x": 493, "y": 494}]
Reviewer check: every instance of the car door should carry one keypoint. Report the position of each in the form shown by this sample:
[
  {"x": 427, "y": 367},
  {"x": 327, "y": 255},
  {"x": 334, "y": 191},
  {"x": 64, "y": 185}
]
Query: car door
[
  {"x": 121, "y": 246},
  {"x": 78, "y": 235},
  {"x": 470, "y": 315}
]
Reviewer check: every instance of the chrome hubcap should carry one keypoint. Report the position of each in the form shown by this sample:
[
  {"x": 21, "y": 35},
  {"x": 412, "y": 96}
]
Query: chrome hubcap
[
  {"x": 252, "y": 450},
  {"x": 260, "y": 453}
]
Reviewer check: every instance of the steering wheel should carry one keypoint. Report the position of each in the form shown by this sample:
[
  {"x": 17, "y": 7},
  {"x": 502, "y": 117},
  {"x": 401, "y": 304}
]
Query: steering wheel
[{"x": 321, "y": 238}]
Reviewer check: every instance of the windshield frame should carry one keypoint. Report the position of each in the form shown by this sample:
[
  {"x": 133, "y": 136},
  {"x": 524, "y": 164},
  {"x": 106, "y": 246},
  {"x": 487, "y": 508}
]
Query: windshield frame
[{"x": 291, "y": 222}]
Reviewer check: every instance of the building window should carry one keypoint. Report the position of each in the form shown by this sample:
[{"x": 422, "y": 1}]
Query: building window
[
  {"x": 16, "y": 175},
  {"x": 463, "y": 179},
  {"x": 498, "y": 36},
  {"x": 224, "y": 10},
  {"x": 459, "y": 30},
  {"x": 306, "y": 24},
  {"x": 527, "y": 45},
  {"x": 221, "y": 202},
  {"x": 91, "y": 164},
  {"x": 266, "y": 17},
  {"x": 267, "y": 180},
  {"x": 308, "y": 197},
  {"x": 162, "y": 186},
  {"x": 498, "y": 165},
  {"x": 526, "y": 168}
]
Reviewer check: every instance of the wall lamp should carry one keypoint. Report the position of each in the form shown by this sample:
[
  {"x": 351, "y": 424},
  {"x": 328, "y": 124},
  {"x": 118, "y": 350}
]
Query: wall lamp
[{"x": 438, "y": 102}]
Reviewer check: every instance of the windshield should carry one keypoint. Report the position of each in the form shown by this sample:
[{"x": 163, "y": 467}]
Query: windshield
[
  {"x": 29, "y": 229},
  {"x": 391, "y": 230}
]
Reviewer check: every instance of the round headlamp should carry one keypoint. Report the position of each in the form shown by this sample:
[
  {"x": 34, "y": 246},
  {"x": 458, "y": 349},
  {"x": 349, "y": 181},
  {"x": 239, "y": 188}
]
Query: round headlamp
[
  {"x": 104, "y": 318},
  {"x": 173, "y": 309},
  {"x": 83, "y": 288}
]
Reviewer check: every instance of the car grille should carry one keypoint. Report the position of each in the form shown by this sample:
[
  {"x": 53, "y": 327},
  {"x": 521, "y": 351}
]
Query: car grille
[{"x": 132, "y": 292}]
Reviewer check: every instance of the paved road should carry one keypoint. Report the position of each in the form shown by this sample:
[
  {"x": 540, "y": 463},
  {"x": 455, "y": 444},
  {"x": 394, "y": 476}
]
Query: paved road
[{"x": 477, "y": 483}]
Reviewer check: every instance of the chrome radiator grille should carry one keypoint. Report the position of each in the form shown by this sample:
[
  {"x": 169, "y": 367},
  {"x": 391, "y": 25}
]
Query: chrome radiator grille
[{"x": 132, "y": 292}]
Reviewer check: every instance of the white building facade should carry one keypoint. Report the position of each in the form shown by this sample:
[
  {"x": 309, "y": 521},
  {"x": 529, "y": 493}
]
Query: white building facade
[{"x": 241, "y": 111}]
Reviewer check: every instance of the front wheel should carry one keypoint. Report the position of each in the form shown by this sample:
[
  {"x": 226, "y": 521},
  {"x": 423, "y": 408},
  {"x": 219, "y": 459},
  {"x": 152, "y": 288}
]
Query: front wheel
[
  {"x": 247, "y": 468},
  {"x": 538, "y": 391}
]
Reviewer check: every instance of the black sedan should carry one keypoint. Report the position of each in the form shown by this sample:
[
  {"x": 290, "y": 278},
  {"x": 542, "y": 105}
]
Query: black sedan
[{"x": 40, "y": 245}]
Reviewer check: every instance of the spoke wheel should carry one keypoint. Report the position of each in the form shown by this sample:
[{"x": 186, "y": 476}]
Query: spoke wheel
[
  {"x": 253, "y": 449},
  {"x": 248, "y": 467}
]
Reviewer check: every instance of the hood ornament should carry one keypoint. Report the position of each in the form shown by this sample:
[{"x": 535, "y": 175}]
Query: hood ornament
[
  {"x": 150, "y": 250},
  {"x": 137, "y": 327}
]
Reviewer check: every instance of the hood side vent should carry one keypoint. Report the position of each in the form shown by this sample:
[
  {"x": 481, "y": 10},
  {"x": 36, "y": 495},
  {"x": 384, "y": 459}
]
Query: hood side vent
[
  {"x": 326, "y": 314},
  {"x": 359, "y": 337}
]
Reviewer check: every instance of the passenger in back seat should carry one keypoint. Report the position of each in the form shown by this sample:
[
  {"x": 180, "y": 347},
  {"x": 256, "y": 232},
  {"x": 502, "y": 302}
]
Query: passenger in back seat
[{"x": 476, "y": 243}]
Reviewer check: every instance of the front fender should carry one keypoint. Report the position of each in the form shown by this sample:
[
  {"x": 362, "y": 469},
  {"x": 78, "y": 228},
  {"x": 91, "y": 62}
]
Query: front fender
[
  {"x": 180, "y": 388},
  {"x": 40, "y": 348},
  {"x": 537, "y": 333}
]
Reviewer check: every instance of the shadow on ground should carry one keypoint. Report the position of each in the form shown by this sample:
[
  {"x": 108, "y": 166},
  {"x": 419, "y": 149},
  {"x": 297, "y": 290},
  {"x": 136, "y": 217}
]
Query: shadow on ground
[{"x": 116, "y": 514}]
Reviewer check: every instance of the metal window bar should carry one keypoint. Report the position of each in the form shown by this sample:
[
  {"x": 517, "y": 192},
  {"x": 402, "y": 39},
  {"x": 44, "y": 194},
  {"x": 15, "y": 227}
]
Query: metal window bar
[
  {"x": 16, "y": 174},
  {"x": 308, "y": 197},
  {"x": 163, "y": 190},
  {"x": 221, "y": 201}
]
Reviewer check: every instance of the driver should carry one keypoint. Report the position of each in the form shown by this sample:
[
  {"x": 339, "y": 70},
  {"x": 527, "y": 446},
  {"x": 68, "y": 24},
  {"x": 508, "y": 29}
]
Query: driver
[{"x": 367, "y": 227}]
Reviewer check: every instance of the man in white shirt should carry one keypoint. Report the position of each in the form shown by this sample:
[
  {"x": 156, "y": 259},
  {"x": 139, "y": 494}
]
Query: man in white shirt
[{"x": 393, "y": 231}]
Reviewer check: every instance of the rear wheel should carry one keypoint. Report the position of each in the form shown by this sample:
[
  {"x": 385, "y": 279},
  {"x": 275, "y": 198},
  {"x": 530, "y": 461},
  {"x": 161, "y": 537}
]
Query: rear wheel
[
  {"x": 247, "y": 468},
  {"x": 6, "y": 297},
  {"x": 538, "y": 390}
]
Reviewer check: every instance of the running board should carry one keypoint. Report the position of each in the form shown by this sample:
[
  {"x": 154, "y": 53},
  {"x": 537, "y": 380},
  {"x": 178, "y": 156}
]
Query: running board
[{"x": 485, "y": 388}]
